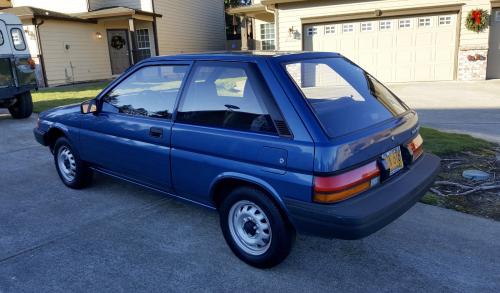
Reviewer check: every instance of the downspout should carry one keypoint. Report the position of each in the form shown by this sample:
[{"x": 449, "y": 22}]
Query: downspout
[
  {"x": 40, "y": 50},
  {"x": 274, "y": 11},
  {"x": 155, "y": 31}
]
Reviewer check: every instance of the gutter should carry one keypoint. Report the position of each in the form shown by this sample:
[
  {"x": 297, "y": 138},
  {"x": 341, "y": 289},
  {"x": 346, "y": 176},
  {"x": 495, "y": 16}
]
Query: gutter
[
  {"x": 155, "y": 29},
  {"x": 40, "y": 50},
  {"x": 274, "y": 10}
]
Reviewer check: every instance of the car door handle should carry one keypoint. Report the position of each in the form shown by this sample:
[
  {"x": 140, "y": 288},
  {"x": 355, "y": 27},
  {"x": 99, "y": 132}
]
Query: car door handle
[{"x": 156, "y": 132}]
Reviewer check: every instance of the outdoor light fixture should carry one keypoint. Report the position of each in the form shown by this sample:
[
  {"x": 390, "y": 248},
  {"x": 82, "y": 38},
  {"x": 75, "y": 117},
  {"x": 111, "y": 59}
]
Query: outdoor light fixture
[{"x": 98, "y": 35}]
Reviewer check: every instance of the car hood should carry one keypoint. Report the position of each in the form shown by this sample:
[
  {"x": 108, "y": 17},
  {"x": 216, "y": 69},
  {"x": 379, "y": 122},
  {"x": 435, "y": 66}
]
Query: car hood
[{"x": 60, "y": 111}]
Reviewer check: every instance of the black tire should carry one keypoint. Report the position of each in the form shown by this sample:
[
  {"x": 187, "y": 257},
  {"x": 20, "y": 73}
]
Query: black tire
[
  {"x": 23, "y": 107},
  {"x": 82, "y": 173},
  {"x": 282, "y": 232}
]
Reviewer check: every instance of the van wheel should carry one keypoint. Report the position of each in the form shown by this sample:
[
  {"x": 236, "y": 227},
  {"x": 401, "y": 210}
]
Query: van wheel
[
  {"x": 23, "y": 106},
  {"x": 73, "y": 172},
  {"x": 254, "y": 228}
]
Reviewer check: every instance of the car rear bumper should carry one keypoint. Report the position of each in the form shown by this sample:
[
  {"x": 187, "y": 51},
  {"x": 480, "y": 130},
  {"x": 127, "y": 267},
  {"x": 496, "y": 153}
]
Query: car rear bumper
[
  {"x": 367, "y": 213},
  {"x": 40, "y": 136}
]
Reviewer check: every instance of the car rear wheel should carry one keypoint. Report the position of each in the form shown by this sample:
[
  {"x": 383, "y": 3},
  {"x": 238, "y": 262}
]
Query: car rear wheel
[
  {"x": 23, "y": 107},
  {"x": 72, "y": 171},
  {"x": 254, "y": 228}
]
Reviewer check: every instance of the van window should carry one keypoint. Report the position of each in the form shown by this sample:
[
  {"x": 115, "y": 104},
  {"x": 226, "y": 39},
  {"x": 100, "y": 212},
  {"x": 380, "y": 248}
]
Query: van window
[
  {"x": 343, "y": 96},
  {"x": 18, "y": 39},
  {"x": 1, "y": 38}
]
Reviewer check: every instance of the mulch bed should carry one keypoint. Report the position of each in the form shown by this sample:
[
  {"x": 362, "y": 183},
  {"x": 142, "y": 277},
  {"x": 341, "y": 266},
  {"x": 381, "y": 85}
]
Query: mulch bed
[{"x": 451, "y": 190}]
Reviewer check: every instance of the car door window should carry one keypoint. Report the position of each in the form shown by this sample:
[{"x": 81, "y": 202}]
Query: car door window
[
  {"x": 151, "y": 92},
  {"x": 231, "y": 96}
]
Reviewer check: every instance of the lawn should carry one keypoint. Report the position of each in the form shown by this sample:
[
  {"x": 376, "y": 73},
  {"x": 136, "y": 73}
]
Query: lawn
[
  {"x": 44, "y": 99},
  {"x": 444, "y": 143}
]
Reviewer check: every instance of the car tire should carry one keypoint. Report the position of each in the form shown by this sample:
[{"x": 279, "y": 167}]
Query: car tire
[
  {"x": 254, "y": 228},
  {"x": 73, "y": 172},
  {"x": 23, "y": 107}
]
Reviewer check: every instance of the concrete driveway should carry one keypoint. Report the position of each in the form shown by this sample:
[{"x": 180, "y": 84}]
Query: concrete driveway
[
  {"x": 457, "y": 106},
  {"x": 117, "y": 237}
]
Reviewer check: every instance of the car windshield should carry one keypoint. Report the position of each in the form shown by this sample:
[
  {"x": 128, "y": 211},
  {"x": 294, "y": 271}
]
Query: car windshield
[{"x": 343, "y": 96}]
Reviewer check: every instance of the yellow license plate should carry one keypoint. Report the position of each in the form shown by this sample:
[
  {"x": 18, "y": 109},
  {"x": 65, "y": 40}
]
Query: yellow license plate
[{"x": 394, "y": 160}]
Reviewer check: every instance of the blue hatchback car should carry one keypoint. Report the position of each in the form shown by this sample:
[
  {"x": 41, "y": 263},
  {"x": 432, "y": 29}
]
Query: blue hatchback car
[{"x": 277, "y": 143}]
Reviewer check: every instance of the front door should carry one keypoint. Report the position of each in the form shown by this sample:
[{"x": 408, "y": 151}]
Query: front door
[
  {"x": 494, "y": 48},
  {"x": 130, "y": 135},
  {"x": 119, "y": 51}
]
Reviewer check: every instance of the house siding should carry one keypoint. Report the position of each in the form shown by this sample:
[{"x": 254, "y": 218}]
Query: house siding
[
  {"x": 66, "y": 6},
  {"x": 290, "y": 15},
  {"x": 190, "y": 26},
  {"x": 87, "y": 59}
]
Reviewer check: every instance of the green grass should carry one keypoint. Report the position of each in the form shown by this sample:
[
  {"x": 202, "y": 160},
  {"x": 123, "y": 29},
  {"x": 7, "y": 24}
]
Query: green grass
[
  {"x": 443, "y": 143},
  {"x": 45, "y": 99}
]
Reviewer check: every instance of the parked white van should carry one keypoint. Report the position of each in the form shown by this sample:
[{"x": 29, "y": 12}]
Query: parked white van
[{"x": 17, "y": 69}]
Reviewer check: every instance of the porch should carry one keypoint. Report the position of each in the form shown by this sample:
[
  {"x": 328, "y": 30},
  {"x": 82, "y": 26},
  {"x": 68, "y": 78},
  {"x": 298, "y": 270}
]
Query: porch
[{"x": 130, "y": 35}]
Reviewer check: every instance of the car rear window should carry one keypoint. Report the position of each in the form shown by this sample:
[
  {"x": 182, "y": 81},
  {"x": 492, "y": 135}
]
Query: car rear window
[{"x": 343, "y": 96}]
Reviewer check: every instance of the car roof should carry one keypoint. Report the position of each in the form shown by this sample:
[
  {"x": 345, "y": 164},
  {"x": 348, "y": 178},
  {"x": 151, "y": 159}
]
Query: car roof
[{"x": 279, "y": 56}]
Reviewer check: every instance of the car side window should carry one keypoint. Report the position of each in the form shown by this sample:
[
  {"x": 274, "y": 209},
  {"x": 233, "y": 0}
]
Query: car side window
[
  {"x": 227, "y": 95},
  {"x": 151, "y": 92}
]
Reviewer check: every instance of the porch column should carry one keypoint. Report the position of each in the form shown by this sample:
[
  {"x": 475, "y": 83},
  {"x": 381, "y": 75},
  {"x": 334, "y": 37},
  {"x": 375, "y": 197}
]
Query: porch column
[
  {"x": 133, "y": 40},
  {"x": 244, "y": 33}
]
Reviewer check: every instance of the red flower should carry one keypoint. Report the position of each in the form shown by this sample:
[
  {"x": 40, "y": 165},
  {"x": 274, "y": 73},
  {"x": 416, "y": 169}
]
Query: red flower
[{"x": 477, "y": 16}]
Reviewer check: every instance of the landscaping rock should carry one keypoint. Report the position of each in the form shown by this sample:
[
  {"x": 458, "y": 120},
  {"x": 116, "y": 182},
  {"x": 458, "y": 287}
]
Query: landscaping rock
[{"x": 477, "y": 175}]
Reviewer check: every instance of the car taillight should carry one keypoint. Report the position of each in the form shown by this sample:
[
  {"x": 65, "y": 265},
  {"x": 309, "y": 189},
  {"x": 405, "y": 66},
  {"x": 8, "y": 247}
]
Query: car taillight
[
  {"x": 416, "y": 147},
  {"x": 343, "y": 186}
]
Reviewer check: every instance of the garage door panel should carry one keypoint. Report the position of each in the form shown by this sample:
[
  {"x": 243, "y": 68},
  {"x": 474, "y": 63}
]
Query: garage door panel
[
  {"x": 404, "y": 40},
  {"x": 401, "y": 49}
]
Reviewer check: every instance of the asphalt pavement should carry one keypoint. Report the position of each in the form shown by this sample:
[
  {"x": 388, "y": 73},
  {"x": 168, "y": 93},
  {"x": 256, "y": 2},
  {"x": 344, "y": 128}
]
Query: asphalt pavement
[{"x": 117, "y": 237}]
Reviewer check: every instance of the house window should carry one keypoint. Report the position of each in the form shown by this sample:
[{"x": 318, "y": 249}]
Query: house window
[
  {"x": 329, "y": 29},
  {"x": 404, "y": 23},
  {"x": 444, "y": 20},
  {"x": 312, "y": 31},
  {"x": 267, "y": 36},
  {"x": 385, "y": 25},
  {"x": 497, "y": 16},
  {"x": 143, "y": 44},
  {"x": 366, "y": 27},
  {"x": 348, "y": 28},
  {"x": 424, "y": 22}
]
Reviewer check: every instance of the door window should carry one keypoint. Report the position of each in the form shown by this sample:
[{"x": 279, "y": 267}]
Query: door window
[
  {"x": 229, "y": 96},
  {"x": 151, "y": 92},
  {"x": 18, "y": 39}
]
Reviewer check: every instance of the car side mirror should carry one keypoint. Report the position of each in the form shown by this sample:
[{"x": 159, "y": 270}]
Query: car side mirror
[{"x": 89, "y": 106}]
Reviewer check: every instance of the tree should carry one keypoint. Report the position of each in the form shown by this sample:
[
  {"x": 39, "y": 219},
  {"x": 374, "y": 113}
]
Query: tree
[{"x": 231, "y": 30}]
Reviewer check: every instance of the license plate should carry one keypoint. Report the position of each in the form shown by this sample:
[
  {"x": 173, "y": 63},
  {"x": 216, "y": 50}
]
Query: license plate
[{"x": 393, "y": 160}]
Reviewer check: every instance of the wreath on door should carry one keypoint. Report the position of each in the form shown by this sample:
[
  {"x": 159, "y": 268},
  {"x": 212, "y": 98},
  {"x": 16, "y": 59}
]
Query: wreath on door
[
  {"x": 117, "y": 42},
  {"x": 477, "y": 20}
]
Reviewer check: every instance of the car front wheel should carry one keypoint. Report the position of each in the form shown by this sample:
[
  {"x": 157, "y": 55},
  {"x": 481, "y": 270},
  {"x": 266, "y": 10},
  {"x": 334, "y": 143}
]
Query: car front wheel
[
  {"x": 254, "y": 228},
  {"x": 72, "y": 171},
  {"x": 23, "y": 107}
]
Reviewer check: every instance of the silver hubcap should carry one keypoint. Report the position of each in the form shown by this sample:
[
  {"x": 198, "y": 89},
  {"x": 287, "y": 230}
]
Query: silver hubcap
[
  {"x": 250, "y": 227},
  {"x": 66, "y": 163}
]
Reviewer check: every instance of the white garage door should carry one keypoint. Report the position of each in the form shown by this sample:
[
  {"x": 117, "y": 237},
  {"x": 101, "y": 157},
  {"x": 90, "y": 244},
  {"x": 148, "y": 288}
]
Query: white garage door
[{"x": 419, "y": 48}]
